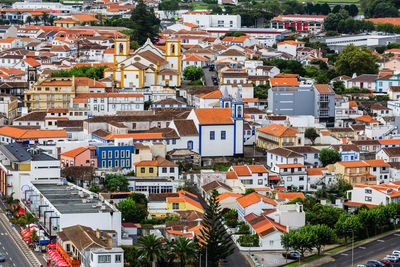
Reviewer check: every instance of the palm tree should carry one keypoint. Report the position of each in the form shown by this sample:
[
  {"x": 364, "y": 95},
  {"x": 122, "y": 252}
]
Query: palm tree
[
  {"x": 185, "y": 249},
  {"x": 36, "y": 19},
  {"x": 45, "y": 17},
  {"x": 151, "y": 249},
  {"x": 29, "y": 20},
  {"x": 30, "y": 218}
]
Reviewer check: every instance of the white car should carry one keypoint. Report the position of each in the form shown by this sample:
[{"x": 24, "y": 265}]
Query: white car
[
  {"x": 397, "y": 255},
  {"x": 396, "y": 252}
]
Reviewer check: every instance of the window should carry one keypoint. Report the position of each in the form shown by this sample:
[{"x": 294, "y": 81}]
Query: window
[
  {"x": 164, "y": 170},
  {"x": 118, "y": 258},
  {"x": 223, "y": 135},
  {"x": 104, "y": 258},
  {"x": 68, "y": 247},
  {"x": 117, "y": 154},
  {"x": 103, "y": 154},
  {"x": 190, "y": 145},
  {"x": 175, "y": 206},
  {"x": 127, "y": 163},
  {"x": 151, "y": 170},
  {"x": 301, "y": 178},
  {"x": 122, "y": 154},
  {"x": 117, "y": 163},
  {"x": 103, "y": 163},
  {"x": 368, "y": 191},
  {"x": 212, "y": 135},
  {"x": 171, "y": 169},
  {"x": 260, "y": 181},
  {"x": 289, "y": 179},
  {"x": 142, "y": 170},
  {"x": 369, "y": 199},
  {"x": 109, "y": 154},
  {"x": 127, "y": 153}
]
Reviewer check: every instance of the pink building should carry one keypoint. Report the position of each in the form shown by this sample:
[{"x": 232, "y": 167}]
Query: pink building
[{"x": 81, "y": 156}]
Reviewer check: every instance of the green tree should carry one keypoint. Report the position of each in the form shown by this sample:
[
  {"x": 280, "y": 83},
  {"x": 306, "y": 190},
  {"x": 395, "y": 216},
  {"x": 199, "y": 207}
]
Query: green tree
[
  {"x": 45, "y": 18},
  {"x": 193, "y": 73},
  {"x": 249, "y": 191},
  {"x": 336, "y": 9},
  {"x": 116, "y": 182},
  {"x": 139, "y": 198},
  {"x": 311, "y": 134},
  {"x": 320, "y": 214},
  {"x": 94, "y": 188},
  {"x": 215, "y": 239},
  {"x": 145, "y": 24},
  {"x": 151, "y": 249},
  {"x": 354, "y": 59},
  {"x": 300, "y": 240},
  {"x": 169, "y": 6},
  {"x": 347, "y": 225},
  {"x": 36, "y": 19},
  {"x": 29, "y": 20},
  {"x": 352, "y": 9},
  {"x": 82, "y": 71},
  {"x": 321, "y": 235},
  {"x": 131, "y": 212},
  {"x": 131, "y": 256},
  {"x": 329, "y": 156},
  {"x": 185, "y": 249}
]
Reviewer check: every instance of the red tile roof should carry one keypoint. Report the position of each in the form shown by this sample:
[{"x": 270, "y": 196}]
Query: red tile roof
[{"x": 253, "y": 198}]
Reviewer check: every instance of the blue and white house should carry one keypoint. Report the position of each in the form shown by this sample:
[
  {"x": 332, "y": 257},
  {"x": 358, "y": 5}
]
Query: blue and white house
[
  {"x": 383, "y": 83},
  {"x": 221, "y": 130},
  {"x": 347, "y": 152},
  {"x": 115, "y": 156}
]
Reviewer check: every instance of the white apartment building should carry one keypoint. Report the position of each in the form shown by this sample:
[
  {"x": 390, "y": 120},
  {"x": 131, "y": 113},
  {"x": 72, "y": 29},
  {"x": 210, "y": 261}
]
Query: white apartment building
[{"x": 214, "y": 21}]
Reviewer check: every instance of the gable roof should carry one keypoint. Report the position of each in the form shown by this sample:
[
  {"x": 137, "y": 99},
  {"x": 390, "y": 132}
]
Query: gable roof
[
  {"x": 283, "y": 82},
  {"x": 289, "y": 195},
  {"x": 186, "y": 128},
  {"x": 253, "y": 198},
  {"x": 214, "y": 115},
  {"x": 278, "y": 130},
  {"x": 74, "y": 152}
]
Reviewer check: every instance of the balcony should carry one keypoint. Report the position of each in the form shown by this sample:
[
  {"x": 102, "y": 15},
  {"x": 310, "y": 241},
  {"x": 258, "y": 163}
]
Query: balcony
[{"x": 288, "y": 143}]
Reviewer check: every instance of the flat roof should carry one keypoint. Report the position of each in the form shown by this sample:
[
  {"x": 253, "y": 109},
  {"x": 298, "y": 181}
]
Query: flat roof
[{"x": 66, "y": 199}]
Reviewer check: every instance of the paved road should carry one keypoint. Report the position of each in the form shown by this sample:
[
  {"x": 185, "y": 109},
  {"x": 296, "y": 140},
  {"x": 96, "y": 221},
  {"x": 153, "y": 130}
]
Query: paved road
[
  {"x": 375, "y": 250},
  {"x": 207, "y": 77},
  {"x": 10, "y": 249}
]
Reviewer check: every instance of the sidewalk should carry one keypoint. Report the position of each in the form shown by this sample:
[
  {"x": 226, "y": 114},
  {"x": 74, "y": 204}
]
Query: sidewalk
[{"x": 328, "y": 258}]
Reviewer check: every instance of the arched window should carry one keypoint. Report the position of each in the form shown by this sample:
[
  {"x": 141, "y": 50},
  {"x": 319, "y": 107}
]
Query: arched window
[
  {"x": 121, "y": 48},
  {"x": 190, "y": 145},
  {"x": 173, "y": 49},
  {"x": 227, "y": 105}
]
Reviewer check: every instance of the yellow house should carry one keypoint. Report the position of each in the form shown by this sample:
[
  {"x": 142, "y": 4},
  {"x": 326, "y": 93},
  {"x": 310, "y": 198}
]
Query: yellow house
[
  {"x": 353, "y": 172},
  {"x": 57, "y": 92},
  {"x": 163, "y": 204},
  {"x": 277, "y": 135},
  {"x": 146, "y": 168}
]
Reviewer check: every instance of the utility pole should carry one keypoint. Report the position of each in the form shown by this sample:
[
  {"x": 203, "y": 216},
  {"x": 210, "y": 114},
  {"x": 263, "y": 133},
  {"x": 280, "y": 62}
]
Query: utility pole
[
  {"x": 79, "y": 37},
  {"x": 352, "y": 248}
]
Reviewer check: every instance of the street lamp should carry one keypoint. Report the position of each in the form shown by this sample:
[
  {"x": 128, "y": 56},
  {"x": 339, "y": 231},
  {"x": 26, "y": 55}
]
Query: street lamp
[{"x": 352, "y": 248}]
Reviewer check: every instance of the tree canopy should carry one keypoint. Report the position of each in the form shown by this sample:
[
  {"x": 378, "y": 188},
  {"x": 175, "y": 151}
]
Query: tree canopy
[
  {"x": 145, "y": 24},
  {"x": 82, "y": 71},
  {"x": 116, "y": 182},
  {"x": 311, "y": 134},
  {"x": 355, "y": 59},
  {"x": 329, "y": 156},
  {"x": 131, "y": 212},
  {"x": 193, "y": 73}
]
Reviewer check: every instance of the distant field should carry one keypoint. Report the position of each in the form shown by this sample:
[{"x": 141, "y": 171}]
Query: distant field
[{"x": 338, "y": 2}]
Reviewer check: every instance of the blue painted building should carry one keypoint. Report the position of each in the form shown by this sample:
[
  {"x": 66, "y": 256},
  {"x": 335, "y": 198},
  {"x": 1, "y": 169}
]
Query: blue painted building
[
  {"x": 348, "y": 152},
  {"x": 110, "y": 156}
]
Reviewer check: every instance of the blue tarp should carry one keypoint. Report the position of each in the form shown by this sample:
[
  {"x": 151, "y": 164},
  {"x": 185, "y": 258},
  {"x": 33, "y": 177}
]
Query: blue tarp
[{"x": 44, "y": 242}]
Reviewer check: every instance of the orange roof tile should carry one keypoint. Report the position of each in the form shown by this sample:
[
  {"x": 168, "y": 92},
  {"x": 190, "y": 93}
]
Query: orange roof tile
[
  {"x": 31, "y": 134},
  {"x": 212, "y": 95},
  {"x": 85, "y": 17},
  {"x": 80, "y": 100},
  {"x": 214, "y": 115},
  {"x": 136, "y": 136},
  {"x": 57, "y": 110},
  {"x": 241, "y": 170},
  {"x": 297, "y": 165},
  {"x": 353, "y": 164},
  {"x": 194, "y": 58},
  {"x": 389, "y": 141},
  {"x": 353, "y": 104},
  {"x": 315, "y": 171},
  {"x": 289, "y": 195},
  {"x": 74, "y": 152},
  {"x": 283, "y": 82},
  {"x": 394, "y": 21},
  {"x": 352, "y": 203},
  {"x": 366, "y": 118},
  {"x": 227, "y": 195},
  {"x": 278, "y": 130},
  {"x": 376, "y": 162},
  {"x": 257, "y": 168},
  {"x": 31, "y": 61},
  {"x": 231, "y": 175},
  {"x": 253, "y": 198}
]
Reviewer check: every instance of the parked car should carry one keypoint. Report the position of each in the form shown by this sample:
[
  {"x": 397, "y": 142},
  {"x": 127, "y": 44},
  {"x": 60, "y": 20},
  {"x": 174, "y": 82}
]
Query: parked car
[
  {"x": 397, "y": 256},
  {"x": 211, "y": 68},
  {"x": 376, "y": 263},
  {"x": 391, "y": 258},
  {"x": 2, "y": 258},
  {"x": 386, "y": 262},
  {"x": 396, "y": 251},
  {"x": 293, "y": 255}
]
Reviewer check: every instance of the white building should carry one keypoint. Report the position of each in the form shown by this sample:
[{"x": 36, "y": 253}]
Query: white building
[
  {"x": 61, "y": 204},
  {"x": 251, "y": 176},
  {"x": 213, "y": 21}
]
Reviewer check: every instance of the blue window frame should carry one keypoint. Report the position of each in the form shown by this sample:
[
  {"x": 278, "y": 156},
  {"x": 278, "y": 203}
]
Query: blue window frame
[
  {"x": 190, "y": 145},
  {"x": 223, "y": 135},
  {"x": 212, "y": 135}
]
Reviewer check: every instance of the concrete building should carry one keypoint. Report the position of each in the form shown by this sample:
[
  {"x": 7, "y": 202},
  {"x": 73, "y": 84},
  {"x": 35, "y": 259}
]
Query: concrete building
[{"x": 213, "y": 21}]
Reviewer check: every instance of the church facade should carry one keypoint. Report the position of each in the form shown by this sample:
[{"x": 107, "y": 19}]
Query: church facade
[{"x": 147, "y": 66}]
